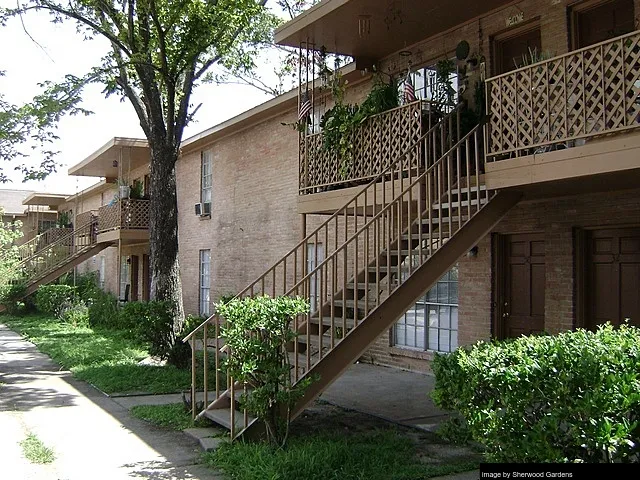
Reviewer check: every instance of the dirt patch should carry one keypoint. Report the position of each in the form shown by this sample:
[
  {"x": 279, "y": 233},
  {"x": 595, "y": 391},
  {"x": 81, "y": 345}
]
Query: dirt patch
[{"x": 326, "y": 418}]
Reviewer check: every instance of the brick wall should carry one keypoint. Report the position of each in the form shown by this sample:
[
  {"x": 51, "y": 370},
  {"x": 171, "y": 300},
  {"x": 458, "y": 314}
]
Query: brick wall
[
  {"x": 253, "y": 219},
  {"x": 556, "y": 219}
]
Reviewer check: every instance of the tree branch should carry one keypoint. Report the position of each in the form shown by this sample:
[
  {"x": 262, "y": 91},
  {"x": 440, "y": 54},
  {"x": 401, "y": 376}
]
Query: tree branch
[{"x": 76, "y": 16}]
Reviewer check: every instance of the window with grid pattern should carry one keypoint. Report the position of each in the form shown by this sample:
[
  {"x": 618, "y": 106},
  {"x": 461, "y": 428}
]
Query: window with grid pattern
[
  {"x": 205, "y": 282},
  {"x": 432, "y": 323},
  {"x": 428, "y": 86},
  {"x": 206, "y": 181},
  {"x": 315, "y": 256}
]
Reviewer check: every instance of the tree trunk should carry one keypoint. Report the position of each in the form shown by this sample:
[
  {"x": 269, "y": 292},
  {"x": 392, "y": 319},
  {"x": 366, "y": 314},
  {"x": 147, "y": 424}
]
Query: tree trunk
[{"x": 163, "y": 232}]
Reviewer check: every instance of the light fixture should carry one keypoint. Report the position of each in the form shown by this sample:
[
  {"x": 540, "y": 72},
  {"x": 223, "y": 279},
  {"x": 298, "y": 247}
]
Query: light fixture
[
  {"x": 115, "y": 164},
  {"x": 473, "y": 253},
  {"x": 405, "y": 53},
  {"x": 364, "y": 25}
]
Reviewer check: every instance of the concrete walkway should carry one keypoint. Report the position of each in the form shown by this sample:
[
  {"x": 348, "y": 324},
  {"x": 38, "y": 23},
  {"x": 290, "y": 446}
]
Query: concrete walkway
[{"x": 92, "y": 436}]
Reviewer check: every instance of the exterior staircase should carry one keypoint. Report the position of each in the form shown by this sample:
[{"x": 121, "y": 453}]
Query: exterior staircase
[
  {"x": 384, "y": 249},
  {"x": 67, "y": 249}
]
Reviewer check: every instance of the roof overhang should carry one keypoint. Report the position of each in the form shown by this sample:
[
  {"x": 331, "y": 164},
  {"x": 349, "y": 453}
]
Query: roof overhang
[
  {"x": 118, "y": 154},
  {"x": 371, "y": 29},
  {"x": 51, "y": 200},
  {"x": 269, "y": 109}
]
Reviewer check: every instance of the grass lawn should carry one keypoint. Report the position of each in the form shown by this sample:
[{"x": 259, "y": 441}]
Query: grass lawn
[
  {"x": 173, "y": 416},
  {"x": 107, "y": 359},
  {"x": 378, "y": 455}
]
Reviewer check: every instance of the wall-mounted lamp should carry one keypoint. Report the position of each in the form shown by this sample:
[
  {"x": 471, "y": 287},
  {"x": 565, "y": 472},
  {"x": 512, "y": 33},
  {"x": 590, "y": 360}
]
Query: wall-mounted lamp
[
  {"x": 473, "y": 253},
  {"x": 129, "y": 260},
  {"x": 364, "y": 25},
  {"x": 115, "y": 164}
]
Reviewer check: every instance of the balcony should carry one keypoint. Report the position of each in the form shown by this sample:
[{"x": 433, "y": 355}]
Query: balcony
[
  {"x": 126, "y": 220},
  {"x": 380, "y": 139},
  {"x": 576, "y": 115}
]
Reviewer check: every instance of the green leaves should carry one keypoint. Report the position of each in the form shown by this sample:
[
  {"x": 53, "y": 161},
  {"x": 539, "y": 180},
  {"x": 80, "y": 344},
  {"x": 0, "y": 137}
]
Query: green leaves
[
  {"x": 569, "y": 397},
  {"x": 256, "y": 332}
]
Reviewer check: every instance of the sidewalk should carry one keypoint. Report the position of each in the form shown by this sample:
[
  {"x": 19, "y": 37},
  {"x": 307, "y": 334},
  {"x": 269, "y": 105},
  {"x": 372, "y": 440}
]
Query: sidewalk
[{"x": 92, "y": 436}]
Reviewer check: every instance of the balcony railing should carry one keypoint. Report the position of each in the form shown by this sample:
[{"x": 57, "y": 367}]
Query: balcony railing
[
  {"x": 126, "y": 214},
  {"x": 589, "y": 92},
  {"x": 376, "y": 142},
  {"x": 85, "y": 217}
]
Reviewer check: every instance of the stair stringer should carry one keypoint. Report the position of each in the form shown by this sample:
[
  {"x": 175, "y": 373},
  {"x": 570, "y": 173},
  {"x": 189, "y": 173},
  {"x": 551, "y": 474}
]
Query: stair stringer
[{"x": 360, "y": 338}]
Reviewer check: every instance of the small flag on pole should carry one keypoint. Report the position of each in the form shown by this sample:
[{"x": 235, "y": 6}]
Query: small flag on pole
[
  {"x": 305, "y": 107},
  {"x": 409, "y": 91}
]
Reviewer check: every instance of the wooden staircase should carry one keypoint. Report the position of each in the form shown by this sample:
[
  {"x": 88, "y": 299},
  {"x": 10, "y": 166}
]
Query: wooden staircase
[
  {"x": 384, "y": 251},
  {"x": 49, "y": 261}
]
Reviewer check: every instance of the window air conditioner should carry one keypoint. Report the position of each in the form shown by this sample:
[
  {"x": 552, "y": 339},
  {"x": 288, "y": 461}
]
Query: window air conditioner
[{"x": 203, "y": 209}]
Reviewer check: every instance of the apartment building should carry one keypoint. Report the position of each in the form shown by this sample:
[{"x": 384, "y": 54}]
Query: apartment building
[{"x": 499, "y": 198}]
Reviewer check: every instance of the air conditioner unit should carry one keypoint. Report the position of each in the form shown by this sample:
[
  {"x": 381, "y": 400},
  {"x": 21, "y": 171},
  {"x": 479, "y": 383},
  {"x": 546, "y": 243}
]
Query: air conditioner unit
[{"x": 203, "y": 209}]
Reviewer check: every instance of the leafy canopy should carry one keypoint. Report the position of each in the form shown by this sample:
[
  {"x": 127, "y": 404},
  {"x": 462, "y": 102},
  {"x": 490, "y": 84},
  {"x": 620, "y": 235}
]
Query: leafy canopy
[{"x": 159, "y": 51}]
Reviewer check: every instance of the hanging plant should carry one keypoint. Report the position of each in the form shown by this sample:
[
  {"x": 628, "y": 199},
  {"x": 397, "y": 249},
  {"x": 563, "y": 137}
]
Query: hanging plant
[{"x": 340, "y": 122}]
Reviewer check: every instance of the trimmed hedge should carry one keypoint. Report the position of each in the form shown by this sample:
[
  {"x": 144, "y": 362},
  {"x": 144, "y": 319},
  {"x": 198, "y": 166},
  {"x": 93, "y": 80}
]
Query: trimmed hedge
[{"x": 573, "y": 397}]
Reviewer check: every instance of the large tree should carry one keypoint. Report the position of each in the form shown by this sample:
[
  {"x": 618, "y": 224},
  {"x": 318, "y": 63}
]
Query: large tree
[{"x": 160, "y": 50}]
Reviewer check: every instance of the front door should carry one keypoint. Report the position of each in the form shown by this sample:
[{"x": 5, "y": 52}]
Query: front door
[
  {"x": 613, "y": 277},
  {"x": 523, "y": 285}
]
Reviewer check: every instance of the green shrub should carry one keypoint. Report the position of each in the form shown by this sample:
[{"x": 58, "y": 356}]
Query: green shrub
[
  {"x": 103, "y": 309},
  {"x": 76, "y": 314},
  {"x": 257, "y": 331},
  {"x": 180, "y": 353},
  {"x": 85, "y": 283},
  {"x": 150, "y": 322},
  {"x": 573, "y": 397},
  {"x": 11, "y": 296},
  {"x": 50, "y": 298}
]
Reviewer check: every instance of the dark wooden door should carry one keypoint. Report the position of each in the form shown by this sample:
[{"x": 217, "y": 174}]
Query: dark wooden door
[
  {"x": 523, "y": 285},
  {"x": 602, "y": 21},
  {"x": 509, "y": 51},
  {"x": 146, "y": 278},
  {"x": 613, "y": 276},
  {"x": 134, "y": 278}
]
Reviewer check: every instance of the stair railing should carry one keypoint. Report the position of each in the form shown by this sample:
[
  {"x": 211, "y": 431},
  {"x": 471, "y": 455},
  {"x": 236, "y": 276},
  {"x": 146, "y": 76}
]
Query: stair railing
[
  {"x": 40, "y": 241},
  {"x": 289, "y": 271},
  {"x": 57, "y": 253}
]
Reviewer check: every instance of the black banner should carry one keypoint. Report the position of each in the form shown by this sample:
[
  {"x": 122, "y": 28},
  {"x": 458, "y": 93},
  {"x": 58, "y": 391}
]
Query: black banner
[{"x": 574, "y": 471}]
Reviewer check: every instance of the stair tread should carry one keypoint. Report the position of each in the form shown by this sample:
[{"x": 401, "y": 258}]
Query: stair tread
[
  {"x": 337, "y": 322},
  {"x": 457, "y": 204},
  {"x": 350, "y": 303},
  {"x": 222, "y": 416}
]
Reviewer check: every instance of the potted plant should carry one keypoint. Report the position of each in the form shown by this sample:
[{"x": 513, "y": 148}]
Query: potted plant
[
  {"x": 64, "y": 220},
  {"x": 136, "y": 191}
]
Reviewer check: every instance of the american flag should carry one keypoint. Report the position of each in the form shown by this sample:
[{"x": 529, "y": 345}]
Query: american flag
[
  {"x": 409, "y": 91},
  {"x": 305, "y": 107}
]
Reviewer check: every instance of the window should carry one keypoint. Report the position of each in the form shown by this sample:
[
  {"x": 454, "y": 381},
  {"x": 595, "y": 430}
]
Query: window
[
  {"x": 430, "y": 86},
  {"x": 102, "y": 271},
  {"x": 44, "y": 225},
  {"x": 432, "y": 323},
  {"x": 315, "y": 256},
  {"x": 206, "y": 181},
  {"x": 595, "y": 22},
  {"x": 124, "y": 278},
  {"x": 205, "y": 282}
]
